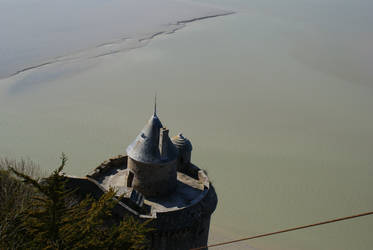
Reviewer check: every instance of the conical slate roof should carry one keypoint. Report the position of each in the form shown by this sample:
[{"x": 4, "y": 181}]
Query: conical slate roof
[{"x": 145, "y": 148}]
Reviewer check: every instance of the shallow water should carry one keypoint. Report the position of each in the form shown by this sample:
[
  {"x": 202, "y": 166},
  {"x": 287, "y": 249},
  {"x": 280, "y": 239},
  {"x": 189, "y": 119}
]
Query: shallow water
[
  {"x": 40, "y": 32},
  {"x": 280, "y": 121}
]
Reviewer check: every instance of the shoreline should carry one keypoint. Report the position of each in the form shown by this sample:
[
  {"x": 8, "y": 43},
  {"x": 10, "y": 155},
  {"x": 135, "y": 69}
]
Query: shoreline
[{"x": 94, "y": 52}]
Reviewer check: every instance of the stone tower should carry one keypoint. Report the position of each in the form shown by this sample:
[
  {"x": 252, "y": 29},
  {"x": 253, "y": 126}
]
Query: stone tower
[
  {"x": 152, "y": 160},
  {"x": 157, "y": 180}
]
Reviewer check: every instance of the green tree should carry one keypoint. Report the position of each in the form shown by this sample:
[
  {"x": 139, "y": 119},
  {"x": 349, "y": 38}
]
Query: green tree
[{"x": 55, "y": 219}]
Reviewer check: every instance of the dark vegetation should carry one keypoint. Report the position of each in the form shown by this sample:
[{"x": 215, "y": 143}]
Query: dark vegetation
[{"x": 42, "y": 214}]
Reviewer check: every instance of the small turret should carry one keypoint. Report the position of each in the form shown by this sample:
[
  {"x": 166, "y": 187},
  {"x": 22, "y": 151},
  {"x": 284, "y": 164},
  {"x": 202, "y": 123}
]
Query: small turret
[{"x": 184, "y": 147}]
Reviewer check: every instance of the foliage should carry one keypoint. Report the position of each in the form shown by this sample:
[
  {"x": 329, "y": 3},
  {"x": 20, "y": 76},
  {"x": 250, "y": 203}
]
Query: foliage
[
  {"x": 54, "y": 219},
  {"x": 14, "y": 197}
]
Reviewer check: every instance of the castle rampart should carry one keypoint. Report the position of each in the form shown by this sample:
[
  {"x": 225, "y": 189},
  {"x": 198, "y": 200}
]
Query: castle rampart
[{"x": 157, "y": 181}]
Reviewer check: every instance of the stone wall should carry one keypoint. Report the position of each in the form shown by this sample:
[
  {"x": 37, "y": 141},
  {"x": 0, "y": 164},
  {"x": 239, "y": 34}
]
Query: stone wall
[
  {"x": 186, "y": 228},
  {"x": 153, "y": 180}
]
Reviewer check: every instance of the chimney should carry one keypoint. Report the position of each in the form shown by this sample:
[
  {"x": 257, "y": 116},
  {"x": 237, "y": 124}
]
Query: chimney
[{"x": 163, "y": 143}]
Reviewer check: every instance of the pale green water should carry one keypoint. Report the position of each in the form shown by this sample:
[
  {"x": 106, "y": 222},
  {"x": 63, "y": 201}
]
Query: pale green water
[{"x": 283, "y": 126}]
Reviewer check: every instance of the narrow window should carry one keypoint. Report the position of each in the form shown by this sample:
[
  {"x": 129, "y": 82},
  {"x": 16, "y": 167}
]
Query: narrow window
[{"x": 130, "y": 179}]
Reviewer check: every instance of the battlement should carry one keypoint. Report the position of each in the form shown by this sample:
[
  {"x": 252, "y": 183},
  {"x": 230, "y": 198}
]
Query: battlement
[{"x": 192, "y": 186}]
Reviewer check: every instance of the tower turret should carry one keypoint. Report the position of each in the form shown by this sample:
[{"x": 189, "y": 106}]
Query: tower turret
[
  {"x": 157, "y": 180},
  {"x": 152, "y": 160},
  {"x": 184, "y": 147}
]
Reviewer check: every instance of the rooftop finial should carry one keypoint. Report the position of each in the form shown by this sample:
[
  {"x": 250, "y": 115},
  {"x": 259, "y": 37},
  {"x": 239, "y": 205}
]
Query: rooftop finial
[{"x": 155, "y": 104}]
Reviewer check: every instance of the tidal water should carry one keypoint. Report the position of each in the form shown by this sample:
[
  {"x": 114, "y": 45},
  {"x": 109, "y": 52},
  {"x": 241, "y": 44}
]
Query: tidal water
[
  {"x": 277, "y": 100},
  {"x": 42, "y": 32}
]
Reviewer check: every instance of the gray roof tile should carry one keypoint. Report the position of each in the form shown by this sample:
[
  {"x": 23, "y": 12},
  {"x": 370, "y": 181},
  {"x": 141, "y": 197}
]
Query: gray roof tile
[{"x": 145, "y": 148}]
